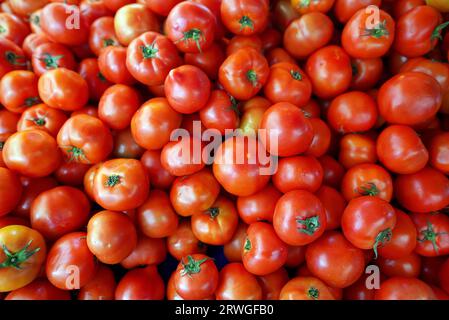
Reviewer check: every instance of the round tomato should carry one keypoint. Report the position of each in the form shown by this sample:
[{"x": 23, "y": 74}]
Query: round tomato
[
  {"x": 183, "y": 157},
  {"x": 235, "y": 283},
  {"x": 11, "y": 190},
  {"x": 400, "y": 288},
  {"x": 245, "y": 17},
  {"x": 305, "y": 288},
  {"x": 100, "y": 287},
  {"x": 42, "y": 117},
  {"x": 258, "y": 206},
  {"x": 433, "y": 234},
  {"x": 220, "y": 113},
  {"x": 49, "y": 56},
  {"x": 334, "y": 204},
  {"x": 159, "y": 177},
  {"x": 183, "y": 241},
  {"x": 141, "y": 284}
]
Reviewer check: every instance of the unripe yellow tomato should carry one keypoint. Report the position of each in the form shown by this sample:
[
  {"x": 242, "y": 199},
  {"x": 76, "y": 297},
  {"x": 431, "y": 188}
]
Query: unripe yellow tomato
[{"x": 440, "y": 5}]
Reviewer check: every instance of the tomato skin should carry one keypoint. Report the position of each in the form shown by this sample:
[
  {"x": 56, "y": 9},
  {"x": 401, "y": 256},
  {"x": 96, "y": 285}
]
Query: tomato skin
[
  {"x": 40, "y": 289},
  {"x": 58, "y": 211},
  {"x": 306, "y": 6},
  {"x": 305, "y": 288},
  {"x": 24, "y": 8},
  {"x": 159, "y": 177},
  {"x": 141, "y": 284},
  {"x": 300, "y": 172},
  {"x": 330, "y": 72},
  {"x": 432, "y": 229},
  {"x": 183, "y": 241},
  {"x": 42, "y": 117},
  {"x": 208, "y": 60},
  {"x": 273, "y": 283},
  {"x": 245, "y": 17},
  {"x": 263, "y": 251},
  {"x": 152, "y": 67},
  {"x": 258, "y": 206},
  {"x": 100, "y": 287},
  {"x": 358, "y": 290},
  {"x": 161, "y": 7},
  {"x": 407, "y": 266},
  {"x": 343, "y": 265},
  {"x": 19, "y": 90},
  {"x": 30, "y": 191},
  {"x": 334, "y": 204},
  {"x": 11, "y": 190},
  {"x": 178, "y": 164},
  {"x": 121, "y": 184},
  {"x": 288, "y": 131},
  {"x": 112, "y": 64},
  {"x": 356, "y": 149},
  {"x": 333, "y": 171},
  {"x": 244, "y": 73},
  {"x": 235, "y": 283},
  {"x": 71, "y": 173},
  {"x": 70, "y": 250},
  {"x": 424, "y": 191},
  {"x": 367, "y": 73},
  {"x": 148, "y": 251},
  {"x": 252, "y": 113},
  {"x": 196, "y": 282},
  {"x": 23, "y": 152},
  {"x": 415, "y": 31},
  {"x": 439, "y": 152},
  {"x": 111, "y": 236},
  {"x": 241, "y": 42},
  {"x": 400, "y": 288},
  {"x": 49, "y": 56},
  {"x": 299, "y": 218},
  {"x": 102, "y": 34},
  {"x": 220, "y": 112},
  {"x": 187, "y": 89},
  {"x": 234, "y": 248},
  {"x": 96, "y": 82},
  {"x": 322, "y": 136},
  {"x": 16, "y": 238},
  {"x": 345, "y": 9}
]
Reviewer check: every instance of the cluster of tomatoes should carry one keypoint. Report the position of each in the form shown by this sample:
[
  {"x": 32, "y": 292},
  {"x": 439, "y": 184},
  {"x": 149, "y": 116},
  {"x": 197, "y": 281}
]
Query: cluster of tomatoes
[{"x": 95, "y": 194}]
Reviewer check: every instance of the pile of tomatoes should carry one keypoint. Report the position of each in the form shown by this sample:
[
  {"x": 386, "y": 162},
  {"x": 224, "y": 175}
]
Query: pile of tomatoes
[{"x": 99, "y": 201}]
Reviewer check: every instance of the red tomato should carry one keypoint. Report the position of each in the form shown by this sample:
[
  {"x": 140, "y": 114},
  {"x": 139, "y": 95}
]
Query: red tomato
[
  {"x": 400, "y": 288},
  {"x": 183, "y": 242},
  {"x": 102, "y": 35},
  {"x": 258, "y": 206},
  {"x": 11, "y": 190},
  {"x": 433, "y": 231},
  {"x": 439, "y": 152},
  {"x": 13, "y": 28},
  {"x": 334, "y": 205},
  {"x": 235, "y": 283},
  {"x": 100, "y": 287},
  {"x": 12, "y": 57},
  {"x": 49, "y": 56},
  {"x": 141, "y": 284},
  {"x": 305, "y": 6},
  {"x": 42, "y": 117},
  {"x": 18, "y": 90},
  {"x": 234, "y": 248},
  {"x": 208, "y": 60},
  {"x": 148, "y": 251},
  {"x": 356, "y": 149},
  {"x": 345, "y": 9},
  {"x": 40, "y": 289},
  {"x": 273, "y": 283},
  {"x": 333, "y": 171},
  {"x": 183, "y": 157},
  {"x": 159, "y": 177},
  {"x": 221, "y": 112},
  {"x": 112, "y": 64},
  {"x": 161, "y": 7},
  {"x": 305, "y": 288},
  {"x": 406, "y": 266},
  {"x": 245, "y": 17}
]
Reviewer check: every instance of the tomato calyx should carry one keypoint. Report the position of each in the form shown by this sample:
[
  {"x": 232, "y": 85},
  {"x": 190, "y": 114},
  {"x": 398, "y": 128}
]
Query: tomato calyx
[
  {"x": 304, "y": 3},
  {"x": 15, "y": 259},
  {"x": 355, "y": 70},
  {"x": 149, "y": 51},
  {"x": 195, "y": 35},
  {"x": 108, "y": 42},
  {"x": 101, "y": 77},
  {"x": 429, "y": 234},
  {"x": 75, "y": 154},
  {"x": 51, "y": 62},
  {"x": 246, "y": 21},
  {"x": 310, "y": 224},
  {"x": 306, "y": 113},
  {"x": 38, "y": 121},
  {"x": 251, "y": 75},
  {"x": 2, "y": 29},
  {"x": 436, "y": 34},
  {"x": 2, "y": 143},
  {"x": 113, "y": 180},
  {"x": 192, "y": 266},
  {"x": 370, "y": 189},
  {"x": 378, "y": 31},
  {"x": 381, "y": 239},
  {"x": 296, "y": 75},
  {"x": 213, "y": 212},
  {"x": 36, "y": 20},
  {"x": 14, "y": 58},
  {"x": 313, "y": 293},
  {"x": 247, "y": 246},
  {"x": 31, "y": 101},
  {"x": 234, "y": 105}
]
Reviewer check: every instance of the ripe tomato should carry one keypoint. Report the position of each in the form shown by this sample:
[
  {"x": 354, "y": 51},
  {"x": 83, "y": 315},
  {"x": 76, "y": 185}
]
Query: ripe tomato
[
  {"x": 71, "y": 173},
  {"x": 196, "y": 277},
  {"x": 183, "y": 242},
  {"x": 321, "y": 138},
  {"x": 220, "y": 112},
  {"x": 42, "y": 117},
  {"x": 258, "y": 206},
  {"x": 11, "y": 190},
  {"x": 12, "y": 57},
  {"x": 400, "y": 288},
  {"x": 424, "y": 191},
  {"x": 356, "y": 149},
  {"x": 305, "y": 288},
  {"x": 288, "y": 131},
  {"x": 345, "y": 9},
  {"x": 234, "y": 248},
  {"x": 330, "y": 72},
  {"x": 439, "y": 152},
  {"x": 40, "y": 289},
  {"x": 111, "y": 236},
  {"x": 273, "y": 283},
  {"x": 183, "y": 157},
  {"x": 244, "y": 73},
  {"x": 24, "y": 8},
  {"x": 23, "y": 152},
  {"x": 49, "y": 56},
  {"x": 96, "y": 82},
  {"x": 21, "y": 257},
  {"x": 251, "y": 115},
  {"x": 141, "y": 284},
  {"x": 191, "y": 27},
  {"x": 245, "y": 17},
  {"x": 85, "y": 139},
  {"x": 67, "y": 252},
  {"x": 112, "y": 64},
  {"x": 148, "y": 251},
  {"x": 102, "y": 35},
  {"x": 366, "y": 73},
  {"x": 121, "y": 184},
  {"x": 30, "y": 191},
  {"x": 333, "y": 171},
  {"x": 300, "y": 172},
  {"x": 114, "y": 5},
  {"x": 100, "y": 287},
  {"x": 367, "y": 180},
  {"x": 263, "y": 251},
  {"x": 333, "y": 204},
  {"x": 18, "y": 90},
  {"x": 406, "y": 266},
  {"x": 161, "y": 7},
  {"x": 159, "y": 177},
  {"x": 359, "y": 290},
  {"x": 239, "y": 166},
  {"x": 334, "y": 260},
  {"x": 58, "y": 211},
  {"x": 235, "y": 283},
  {"x": 208, "y": 60},
  {"x": 305, "y": 6},
  {"x": 433, "y": 234},
  {"x": 240, "y": 42}
]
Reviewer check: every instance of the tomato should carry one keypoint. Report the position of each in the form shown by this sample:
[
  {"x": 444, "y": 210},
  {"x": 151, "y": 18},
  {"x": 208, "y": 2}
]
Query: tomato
[
  {"x": 148, "y": 251},
  {"x": 183, "y": 242},
  {"x": 100, "y": 287},
  {"x": 251, "y": 115},
  {"x": 245, "y": 17},
  {"x": 85, "y": 139},
  {"x": 273, "y": 283},
  {"x": 241, "y": 42},
  {"x": 61, "y": 27},
  {"x": 439, "y": 152},
  {"x": 32, "y": 41},
  {"x": 121, "y": 184},
  {"x": 305, "y": 6},
  {"x": 111, "y": 236},
  {"x": 49, "y": 56},
  {"x": 278, "y": 55},
  {"x": 66, "y": 253},
  {"x": 321, "y": 138},
  {"x": 11, "y": 190},
  {"x": 183, "y": 157},
  {"x": 400, "y": 288},
  {"x": 345, "y": 9},
  {"x": 23, "y": 152},
  {"x": 196, "y": 277},
  {"x": 335, "y": 260},
  {"x": 424, "y": 191},
  {"x": 330, "y": 72},
  {"x": 220, "y": 112},
  {"x": 333, "y": 171},
  {"x": 333, "y": 204},
  {"x": 307, "y": 34},
  {"x": 159, "y": 177},
  {"x": 141, "y": 284},
  {"x": 91, "y": 10},
  {"x": 359, "y": 290},
  {"x": 30, "y": 192},
  {"x": 112, "y": 64},
  {"x": 102, "y": 35},
  {"x": 288, "y": 131},
  {"x": 18, "y": 90},
  {"x": 71, "y": 173},
  {"x": 125, "y": 146},
  {"x": 432, "y": 229},
  {"x": 244, "y": 73},
  {"x": 118, "y": 105},
  {"x": 12, "y": 220},
  {"x": 418, "y": 31},
  {"x": 263, "y": 251},
  {"x": 356, "y": 149},
  {"x": 58, "y": 211},
  {"x": 407, "y": 266},
  {"x": 40, "y": 289},
  {"x": 161, "y": 7},
  {"x": 114, "y": 5},
  {"x": 234, "y": 248},
  {"x": 96, "y": 82},
  {"x": 22, "y": 255},
  {"x": 12, "y": 57},
  {"x": 366, "y": 73},
  {"x": 305, "y": 288},
  {"x": 208, "y": 60},
  {"x": 132, "y": 20},
  {"x": 258, "y": 206},
  {"x": 42, "y": 117},
  {"x": 8, "y": 126},
  {"x": 241, "y": 176},
  {"x": 235, "y": 283},
  {"x": 191, "y": 27},
  {"x": 300, "y": 172},
  {"x": 367, "y": 180},
  {"x": 13, "y": 28},
  {"x": 24, "y": 8}
]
